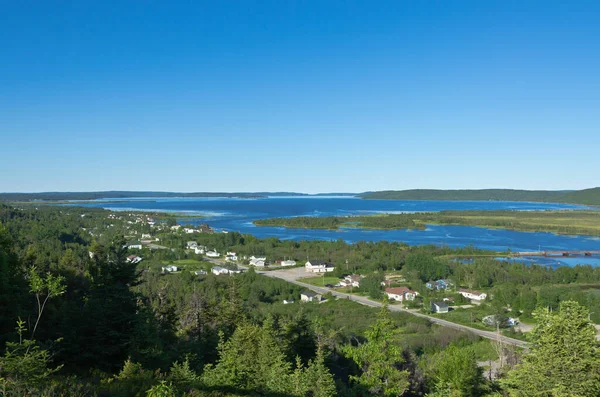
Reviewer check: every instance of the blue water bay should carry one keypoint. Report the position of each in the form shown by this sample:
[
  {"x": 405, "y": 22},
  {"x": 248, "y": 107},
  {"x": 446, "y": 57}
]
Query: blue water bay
[{"x": 232, "y": 214}]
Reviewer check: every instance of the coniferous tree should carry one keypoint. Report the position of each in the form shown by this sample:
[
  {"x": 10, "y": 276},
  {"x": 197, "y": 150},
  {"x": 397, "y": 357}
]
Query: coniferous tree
[
  {"x": 564, "y": 357},
  {"x": 379, "y": 359}
]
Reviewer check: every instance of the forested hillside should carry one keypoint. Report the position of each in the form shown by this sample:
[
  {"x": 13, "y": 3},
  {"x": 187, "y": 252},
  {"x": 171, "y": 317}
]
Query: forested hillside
[
  {"x": 78, "y": 318},
  {"x": 586, "y": 197}
]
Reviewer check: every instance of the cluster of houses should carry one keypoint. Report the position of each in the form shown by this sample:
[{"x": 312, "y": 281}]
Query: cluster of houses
[
  {"x": 218, "y": 270},
  {"x": 190, "y": 230},
  {"x": 201, "y": 250}
]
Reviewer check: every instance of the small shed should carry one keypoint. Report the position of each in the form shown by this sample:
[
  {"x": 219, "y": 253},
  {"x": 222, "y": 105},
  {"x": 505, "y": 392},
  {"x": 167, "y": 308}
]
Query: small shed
[{"x": 439, "y": 307}]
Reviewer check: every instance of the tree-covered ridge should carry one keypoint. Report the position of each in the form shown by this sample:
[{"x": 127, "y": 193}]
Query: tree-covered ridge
[
  {"x": 563, "y": 222},
  {"x": 65, "y": 196},
  {"x": 586, "y": 196}
]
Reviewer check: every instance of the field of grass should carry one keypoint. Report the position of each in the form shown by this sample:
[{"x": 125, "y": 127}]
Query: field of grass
[
  {"x": 190, "y": 264},
  {"x": 320, "y": 281},
  {"x": 583, "y": 222}
]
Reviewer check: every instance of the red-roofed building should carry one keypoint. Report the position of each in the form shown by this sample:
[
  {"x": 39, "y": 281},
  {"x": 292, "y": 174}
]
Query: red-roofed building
[{"x": 401, "y": 294}]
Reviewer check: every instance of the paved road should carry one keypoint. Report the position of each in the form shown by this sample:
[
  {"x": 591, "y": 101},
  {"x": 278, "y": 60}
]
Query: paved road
[
  {"x": 292, "y": 275},
  {"x": 367, "y": 302}
]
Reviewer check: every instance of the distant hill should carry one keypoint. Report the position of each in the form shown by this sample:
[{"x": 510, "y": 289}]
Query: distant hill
[
  {"x": 64, "y": 196},
  {"x": 587, "y": 196}
]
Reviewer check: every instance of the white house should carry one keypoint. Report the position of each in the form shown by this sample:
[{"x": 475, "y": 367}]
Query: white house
[
  {"x": 188, "y": 230},
  {"x": 213, "y": 254},
  {"x": 192, "y": 244},
  {"x": 134, "y": 259},
  {"x": 288, "y": 263},
  {"x": 258, "y": 262},
  {"x": 401, "y": 294},
  {"x": 310, "y": 296},
  {"x": 218, "y": 270},
  {"x": 146, "y": 235},
  {"x": 135, "y": 245},
  {"x": 474, "y": 295},
  {"x": 199, "y": 250},
  {"x": 200, "y": 272},
  {"x": 232, "y": 256},
  {"x": 175, "y": 228},
  {"x": 318, "y": 267},
  {"x": 352, "y": 280},
  {"x": 287, "y": 301},
  {"x": 170, "y": 268}
]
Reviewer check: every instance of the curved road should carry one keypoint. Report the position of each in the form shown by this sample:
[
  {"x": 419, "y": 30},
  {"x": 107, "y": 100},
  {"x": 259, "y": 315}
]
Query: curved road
[
  {"x": 292, "y": 275},
  {"x": 367, "y": 302}
]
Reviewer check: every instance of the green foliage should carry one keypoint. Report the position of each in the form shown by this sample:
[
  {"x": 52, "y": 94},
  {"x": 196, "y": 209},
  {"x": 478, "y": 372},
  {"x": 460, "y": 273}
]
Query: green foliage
[
  {"x": 44, "y": 288},
  {"x": 133, "y": 380},
  {"x": 313, "y": 380},
  {"x": 563, "y": 221},
  {"x": 564, "y": 358},
  {"x": 182, "y": 376},
  {"x": 379, "y": 358},
  {"x": 169, "y": 325},
  {"x": 161, "y": 390},
  {"x": 456, "y": 371},
  {"x": 249, "y": 360},
  {"x": 386, "y": 222},
  {"x": 372, "y": 285},
  {"x": 427, "y": 266},
  {"x": 25, "y": 363}
]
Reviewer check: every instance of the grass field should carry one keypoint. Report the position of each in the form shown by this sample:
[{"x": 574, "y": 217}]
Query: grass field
[
  {"x": 320, "y": 281},
  {"x": 190, "y": 264}
]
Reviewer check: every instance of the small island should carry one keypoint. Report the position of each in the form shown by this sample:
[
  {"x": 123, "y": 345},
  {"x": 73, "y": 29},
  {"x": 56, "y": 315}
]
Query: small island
[{"x": 581, "y": 222}]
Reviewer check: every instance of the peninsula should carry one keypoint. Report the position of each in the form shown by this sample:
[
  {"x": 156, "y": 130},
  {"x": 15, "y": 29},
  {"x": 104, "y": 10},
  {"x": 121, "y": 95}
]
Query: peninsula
[{"x": 560, "y": 222}]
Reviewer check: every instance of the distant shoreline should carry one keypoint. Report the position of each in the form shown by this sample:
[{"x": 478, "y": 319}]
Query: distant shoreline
[{"x": 590, "y": 197}]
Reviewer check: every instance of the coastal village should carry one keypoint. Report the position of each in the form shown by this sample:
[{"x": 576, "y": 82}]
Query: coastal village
[{"x": 442, "y": 297}]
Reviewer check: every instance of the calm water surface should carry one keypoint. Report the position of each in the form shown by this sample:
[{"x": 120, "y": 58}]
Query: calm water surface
[{"x": 238, "y": 214}]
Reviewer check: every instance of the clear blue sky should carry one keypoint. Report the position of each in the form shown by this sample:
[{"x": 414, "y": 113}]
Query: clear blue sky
[{"x": 307, "y": 96}]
